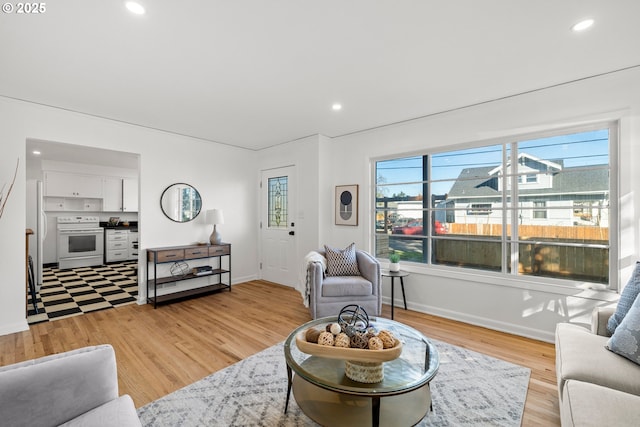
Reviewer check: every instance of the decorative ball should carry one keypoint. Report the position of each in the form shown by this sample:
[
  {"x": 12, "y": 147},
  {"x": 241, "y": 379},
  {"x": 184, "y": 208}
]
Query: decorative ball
[
  {"x": 359, "y": 340},
  {"x": 350, "y": 330},
  {"x": 371, "y": 332},
  {"x": 179, "y": 269},
  {"x": 342, "y": 340},
  {"x": 387, "y": 338},
  {"x": 335, "y": 328},
  {"x": 355, "y": 316},
  {"x": 312, "y": 335},
  {"x": 326, "y": 338},
  {"x": 375, "y": 343}
]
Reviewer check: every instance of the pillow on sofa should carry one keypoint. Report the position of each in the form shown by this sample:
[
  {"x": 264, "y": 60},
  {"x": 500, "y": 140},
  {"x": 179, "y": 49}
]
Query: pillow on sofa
[
  {"x": 342, "y": 262},
  {"x": 627, "y": 297},
  {"x": 626, "y": 339}
]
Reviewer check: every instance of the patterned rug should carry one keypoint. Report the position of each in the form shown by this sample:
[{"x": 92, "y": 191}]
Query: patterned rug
[
  {"x": 470, "y": 389},
  {"x": 75, "y": 291}
]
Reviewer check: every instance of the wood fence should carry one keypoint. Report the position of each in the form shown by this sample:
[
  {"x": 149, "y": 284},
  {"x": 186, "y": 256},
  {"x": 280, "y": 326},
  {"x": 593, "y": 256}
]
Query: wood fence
[{"x": 532, "y": 232}]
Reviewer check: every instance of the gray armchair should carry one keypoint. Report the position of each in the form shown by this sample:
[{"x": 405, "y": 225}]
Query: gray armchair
[{"x": 329, "y": 294}]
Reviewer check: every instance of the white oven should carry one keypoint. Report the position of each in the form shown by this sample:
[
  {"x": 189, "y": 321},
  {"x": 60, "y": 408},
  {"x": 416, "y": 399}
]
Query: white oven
[{"x": 80, "y": 241}]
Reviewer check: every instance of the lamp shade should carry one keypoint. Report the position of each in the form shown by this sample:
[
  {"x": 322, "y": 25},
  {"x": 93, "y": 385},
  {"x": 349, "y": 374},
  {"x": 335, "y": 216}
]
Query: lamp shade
[{"x": 214, "y": 216}]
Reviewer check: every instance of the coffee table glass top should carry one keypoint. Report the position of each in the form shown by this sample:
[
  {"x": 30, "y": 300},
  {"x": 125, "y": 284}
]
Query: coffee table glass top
[{"x": 416, "y": 366}]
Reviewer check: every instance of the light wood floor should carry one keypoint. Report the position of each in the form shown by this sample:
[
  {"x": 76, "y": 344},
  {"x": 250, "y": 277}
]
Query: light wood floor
[{"x": 159, "y": 351}]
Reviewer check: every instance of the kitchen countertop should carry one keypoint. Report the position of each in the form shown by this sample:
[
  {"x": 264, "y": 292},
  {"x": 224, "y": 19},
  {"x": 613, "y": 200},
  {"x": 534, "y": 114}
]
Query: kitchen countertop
[{"x": 133, "y": 226}]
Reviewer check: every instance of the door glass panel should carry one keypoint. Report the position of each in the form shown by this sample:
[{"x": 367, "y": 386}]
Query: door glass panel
[{"x": 278, "y": 202}]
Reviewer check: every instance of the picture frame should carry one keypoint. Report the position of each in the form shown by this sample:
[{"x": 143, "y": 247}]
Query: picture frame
[{"x": 346, "y": 205}]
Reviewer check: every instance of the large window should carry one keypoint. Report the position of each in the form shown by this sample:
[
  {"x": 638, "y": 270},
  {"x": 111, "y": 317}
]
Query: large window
[{"x": 532, "y": 207}]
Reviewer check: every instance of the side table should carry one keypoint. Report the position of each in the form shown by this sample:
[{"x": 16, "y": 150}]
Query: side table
[{"x": 393, "y": 274}]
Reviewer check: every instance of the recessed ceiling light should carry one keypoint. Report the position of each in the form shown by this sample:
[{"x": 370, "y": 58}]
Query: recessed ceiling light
[
  {"x": 36, "y": 152},
  {"x": 336, "y": 107},
  {"x": 135, "y": 7},
  {"x": 582, "y": 25}
]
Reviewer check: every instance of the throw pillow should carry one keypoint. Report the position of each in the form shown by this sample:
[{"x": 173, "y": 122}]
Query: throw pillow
[
  {"x": 626, "y": 339},
  {"x": 342, "y": 262},
  {"x": 627, "y": 297}
]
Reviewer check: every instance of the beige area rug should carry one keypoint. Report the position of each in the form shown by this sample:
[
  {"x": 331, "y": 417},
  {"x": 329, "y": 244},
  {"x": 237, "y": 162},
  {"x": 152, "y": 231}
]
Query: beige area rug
[{"x": 470, "y": 389}]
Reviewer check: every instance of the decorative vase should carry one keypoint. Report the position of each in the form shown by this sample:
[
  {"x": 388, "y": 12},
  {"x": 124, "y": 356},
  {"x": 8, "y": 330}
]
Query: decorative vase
[{"x": 394, "y": 266}]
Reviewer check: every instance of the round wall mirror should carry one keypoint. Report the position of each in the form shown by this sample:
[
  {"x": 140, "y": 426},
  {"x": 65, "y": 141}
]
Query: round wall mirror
[{"x": 181, "y": 202}]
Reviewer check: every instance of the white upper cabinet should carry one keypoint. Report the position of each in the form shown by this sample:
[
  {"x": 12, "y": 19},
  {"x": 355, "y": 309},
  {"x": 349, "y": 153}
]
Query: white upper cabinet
[
  {"x": 120, "y": 194},
  {"x": 62, "y": 184},
  {"x": 129, "y": 195},
  {"x": 112, "y": 188}
]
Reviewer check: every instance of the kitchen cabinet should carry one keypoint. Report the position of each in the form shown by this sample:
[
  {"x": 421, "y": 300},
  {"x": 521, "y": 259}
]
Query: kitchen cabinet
[
  {"x": 116, "y": 244},
  {"x": 62, "y": 204},
  {"x": 120, "y": 194},
  {"x": 219, "y": 273},
  {"x": 129, "y": 195},
  {"x": 71, "y": 185}
]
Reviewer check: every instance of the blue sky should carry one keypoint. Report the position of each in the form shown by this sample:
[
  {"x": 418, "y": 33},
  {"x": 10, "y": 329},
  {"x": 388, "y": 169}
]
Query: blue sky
[{"x": 577, "y": 149}]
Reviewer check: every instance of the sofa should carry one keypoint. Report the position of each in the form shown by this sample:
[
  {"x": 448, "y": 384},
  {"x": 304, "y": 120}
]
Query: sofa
[
  {"x": 75, "y": 388},
  {"x": 596, "y": 386}
]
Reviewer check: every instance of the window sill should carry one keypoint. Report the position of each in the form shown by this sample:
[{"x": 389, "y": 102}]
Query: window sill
[{"x": 586, "y": 290}]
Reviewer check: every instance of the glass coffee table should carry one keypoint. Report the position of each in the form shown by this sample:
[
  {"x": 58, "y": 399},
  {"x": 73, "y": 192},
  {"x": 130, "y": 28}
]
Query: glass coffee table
[{"x": 327, "y": 396}]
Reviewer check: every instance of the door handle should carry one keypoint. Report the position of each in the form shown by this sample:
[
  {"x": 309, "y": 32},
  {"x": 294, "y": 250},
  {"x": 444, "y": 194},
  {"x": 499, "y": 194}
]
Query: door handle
[{"x": 292, "y": 233}]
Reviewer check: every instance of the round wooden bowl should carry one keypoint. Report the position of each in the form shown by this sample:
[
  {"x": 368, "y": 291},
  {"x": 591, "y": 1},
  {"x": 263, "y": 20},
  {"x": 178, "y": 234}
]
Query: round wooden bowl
[{"x": 351, "y": 354}]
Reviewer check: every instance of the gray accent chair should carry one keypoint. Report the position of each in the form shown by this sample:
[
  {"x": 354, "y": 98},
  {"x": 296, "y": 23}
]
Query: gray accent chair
[
  {"x": 329, "y": 294},
  {"x": 75, "y": 388}
]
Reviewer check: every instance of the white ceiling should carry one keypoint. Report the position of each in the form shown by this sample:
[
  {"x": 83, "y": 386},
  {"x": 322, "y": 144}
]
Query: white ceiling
[{"x": 255, "y": 73}]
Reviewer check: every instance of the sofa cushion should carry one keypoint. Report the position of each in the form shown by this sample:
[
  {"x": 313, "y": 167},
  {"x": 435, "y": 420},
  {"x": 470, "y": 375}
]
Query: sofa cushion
[
  {"x": 585, "y": 404},
  {"x": 342, "y": 262},
  {"x": 342, "y": 286},
  {"x": 120, "y": 412},
  {"x": 581, "y": 355},
  {"x": 627, "y": 297},
  {"x": 625, "y": 341}
]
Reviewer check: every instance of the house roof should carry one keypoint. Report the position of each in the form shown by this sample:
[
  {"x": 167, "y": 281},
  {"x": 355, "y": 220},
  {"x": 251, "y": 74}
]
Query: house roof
[{"x": 478, "y": 183}]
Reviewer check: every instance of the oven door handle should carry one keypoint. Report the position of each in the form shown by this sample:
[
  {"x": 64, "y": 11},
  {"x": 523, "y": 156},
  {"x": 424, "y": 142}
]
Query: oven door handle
[{"x": 80, "y": 231}]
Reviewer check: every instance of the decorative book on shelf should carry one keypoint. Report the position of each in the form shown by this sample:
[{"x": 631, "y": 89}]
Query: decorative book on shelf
[{"x": 202, "y": 270}]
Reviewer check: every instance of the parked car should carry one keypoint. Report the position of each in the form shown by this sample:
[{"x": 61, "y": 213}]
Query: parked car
[{"x": 415, "y": 228}]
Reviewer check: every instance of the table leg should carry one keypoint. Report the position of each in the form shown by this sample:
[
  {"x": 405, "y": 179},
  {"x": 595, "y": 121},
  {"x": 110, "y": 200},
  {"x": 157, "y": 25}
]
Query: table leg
[
  {"x": 289, "y": 382},
  {"x": 375, "y": 411},
  {"x": 392, "y": 297},
  {"x": 403, "y": 297}
]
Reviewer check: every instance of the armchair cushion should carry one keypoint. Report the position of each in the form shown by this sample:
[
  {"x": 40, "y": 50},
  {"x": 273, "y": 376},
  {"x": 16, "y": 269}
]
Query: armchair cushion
[
  {"x": 341, "y": 286},
  {"x": 342, "y": 262}
]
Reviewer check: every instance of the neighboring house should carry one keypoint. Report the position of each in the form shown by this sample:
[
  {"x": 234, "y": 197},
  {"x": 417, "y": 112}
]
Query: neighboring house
[{"x": 549, "y": 194}]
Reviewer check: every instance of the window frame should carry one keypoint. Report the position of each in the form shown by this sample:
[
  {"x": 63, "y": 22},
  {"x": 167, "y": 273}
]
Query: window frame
[{"x": 508, "y": 276}]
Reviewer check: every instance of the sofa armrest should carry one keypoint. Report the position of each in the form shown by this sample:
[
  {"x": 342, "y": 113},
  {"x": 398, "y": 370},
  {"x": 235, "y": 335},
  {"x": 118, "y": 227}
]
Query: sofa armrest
[
  {"x": 316, "y": 275},
  {"x": 599, "y": 318},
  {"x": 54, "y": 389}
]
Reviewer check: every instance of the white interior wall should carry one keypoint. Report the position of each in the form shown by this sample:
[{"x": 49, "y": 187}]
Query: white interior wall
[
  {"x": 217, "y": 171},
  {"x": 303, "y": 154},
  {"x": 509, "y": 305}
]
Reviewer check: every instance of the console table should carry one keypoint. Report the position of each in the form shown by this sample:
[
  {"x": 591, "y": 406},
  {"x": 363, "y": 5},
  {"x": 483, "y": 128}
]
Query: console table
[{"x": 173, "y": 254}]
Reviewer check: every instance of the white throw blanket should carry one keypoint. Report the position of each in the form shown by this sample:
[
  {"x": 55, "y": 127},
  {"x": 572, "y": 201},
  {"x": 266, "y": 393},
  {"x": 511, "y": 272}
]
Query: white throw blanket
[{"x": 304, "y": 285}]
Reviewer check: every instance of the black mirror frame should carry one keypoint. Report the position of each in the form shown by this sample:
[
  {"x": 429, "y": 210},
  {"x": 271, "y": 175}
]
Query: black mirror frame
[{"x": 197, "y": 194}]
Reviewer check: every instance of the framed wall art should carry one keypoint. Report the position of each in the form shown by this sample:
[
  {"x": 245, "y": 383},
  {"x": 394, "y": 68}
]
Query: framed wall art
[{"x": 347, "y": 204}]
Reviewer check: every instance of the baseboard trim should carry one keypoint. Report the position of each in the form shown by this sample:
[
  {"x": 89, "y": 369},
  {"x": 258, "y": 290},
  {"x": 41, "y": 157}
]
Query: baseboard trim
[
  {"x": 536, "y": 334},
  {"x": 14, "y": 327}
]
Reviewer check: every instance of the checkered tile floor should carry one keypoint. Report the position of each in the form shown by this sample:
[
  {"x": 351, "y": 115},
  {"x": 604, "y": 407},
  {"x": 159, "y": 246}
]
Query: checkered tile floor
[{"x": 76, "y": 291}]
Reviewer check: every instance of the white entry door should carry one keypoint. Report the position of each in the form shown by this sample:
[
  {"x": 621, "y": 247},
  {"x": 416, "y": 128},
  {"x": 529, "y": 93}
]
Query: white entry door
[{"x": 277, "y": 222}]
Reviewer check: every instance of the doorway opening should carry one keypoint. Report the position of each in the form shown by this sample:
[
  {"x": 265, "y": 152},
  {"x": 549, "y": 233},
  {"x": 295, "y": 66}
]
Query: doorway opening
[{"x": 76, "y": 186}]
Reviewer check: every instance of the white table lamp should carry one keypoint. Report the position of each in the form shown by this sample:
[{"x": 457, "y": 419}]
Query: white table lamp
[{"x": 215, "y": 217}]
